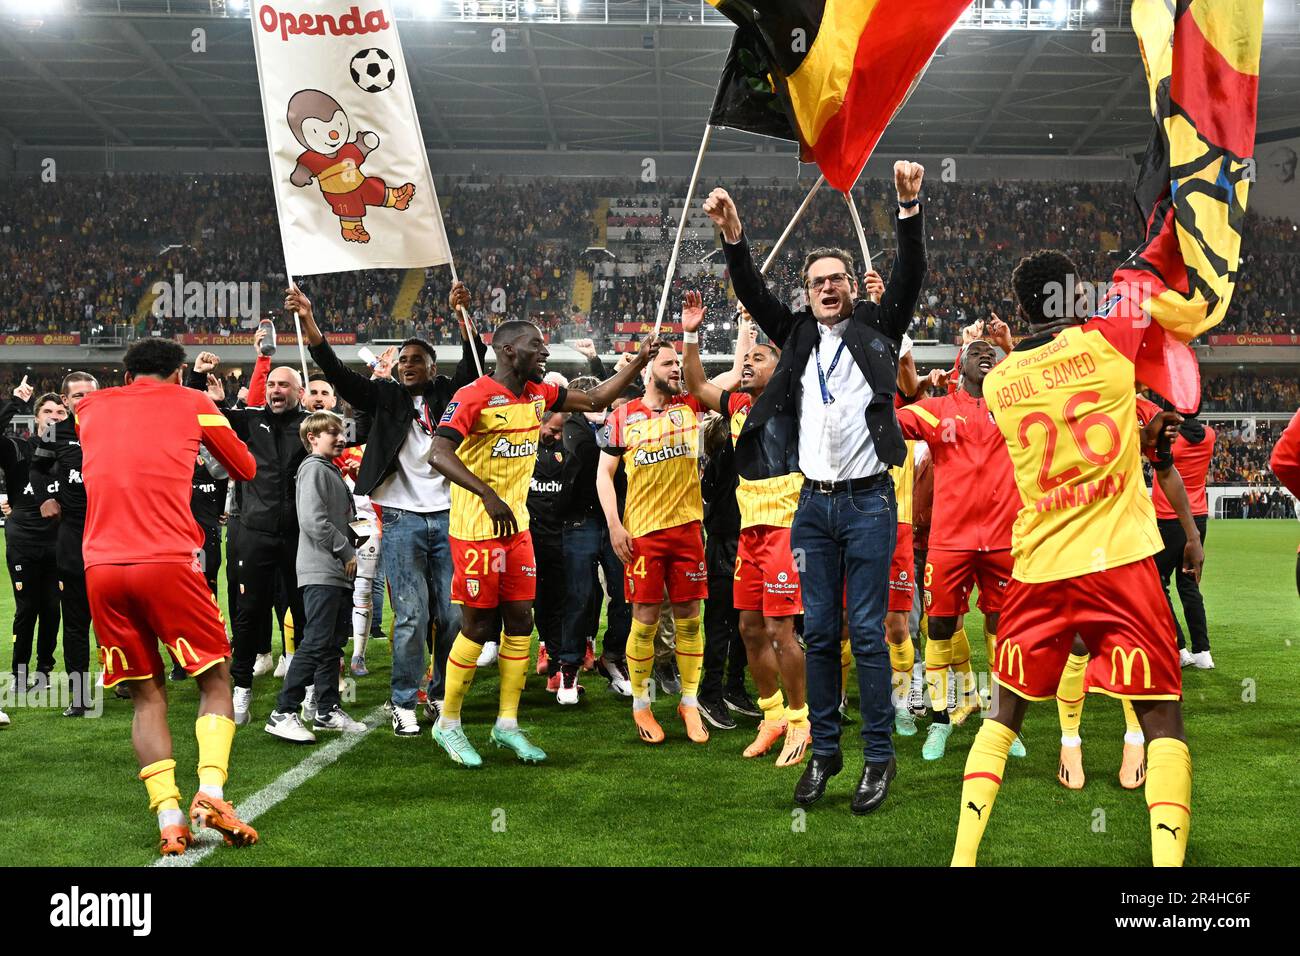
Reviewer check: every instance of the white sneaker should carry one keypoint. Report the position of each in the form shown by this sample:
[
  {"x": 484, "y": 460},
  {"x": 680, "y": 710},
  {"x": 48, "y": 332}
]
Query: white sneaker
[
  {"x": 1185, "y": 658},
  {"x": 243, "y": 697},
  {"x": 309, "y": 705},
  {"x": 282, "y": 665},
  {"x": 488, "y": 656},
  {"x": 1203, "y": 660},
  {"x": 338, "y": 719},
  {"x": 404, "y": 722},
  {"x": 916, "y": 699},
  {"x": 568, "y": 692},
  {"x": 262, "y": 665},
  {"x": 4, "y": 719},
  {"x": 289, "y": 727}
]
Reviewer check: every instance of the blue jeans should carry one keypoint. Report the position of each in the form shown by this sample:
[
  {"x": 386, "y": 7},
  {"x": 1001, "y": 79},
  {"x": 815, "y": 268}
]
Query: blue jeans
[
  {"x": 319, "y": 648},
  {"x": 847, "y": 537},
  {"x": 416, "y": 556}
]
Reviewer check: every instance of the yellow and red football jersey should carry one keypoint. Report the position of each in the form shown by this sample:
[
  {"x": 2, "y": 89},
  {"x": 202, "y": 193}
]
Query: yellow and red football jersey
[
  {"x": 764, "y": 501},
  {"x": 496, "y": 431},
  {"x": 1068, "y": 411},
  {"x": 904, "y": 476},
  {"x": 661, "y": 455}
]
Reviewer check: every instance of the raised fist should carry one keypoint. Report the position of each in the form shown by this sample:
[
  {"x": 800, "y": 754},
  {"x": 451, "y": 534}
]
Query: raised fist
[
  {"x": 719, "y": 207},
  {"x": 907, "y": 180}
]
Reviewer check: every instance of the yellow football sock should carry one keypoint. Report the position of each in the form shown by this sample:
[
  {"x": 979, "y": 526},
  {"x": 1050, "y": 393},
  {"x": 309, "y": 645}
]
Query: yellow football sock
[
  {"x": 901, "y": 658},
  {"x": 924, "y": 626},
  {"x": 979, "y": 788},
  {"x": 512, "y": 662},
  {"x": 797, "y": 717},
  {"x": 773, "y": 707},
  {"x": 846, "y": 661},
  {"x": 289, "y": 642},
  {"x": 1169, "y": 799},
  {"x": 961, "y": 669},
  {"x": 462, "y": 662},
  {"x": 214, "y": 734},
  {"x": 641, "y": 657},
  {"x": 938, "y": 655},
  {"x": 1070, "y": 696},
  {"x": 160, "y": 783},
  {"x": 690, "y": 656},
  {"x": 1132, "y": 728}
]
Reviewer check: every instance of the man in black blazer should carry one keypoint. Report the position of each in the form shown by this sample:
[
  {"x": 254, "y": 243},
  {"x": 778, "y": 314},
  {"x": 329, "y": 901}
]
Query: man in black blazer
[{"x": 828, "y": 412}]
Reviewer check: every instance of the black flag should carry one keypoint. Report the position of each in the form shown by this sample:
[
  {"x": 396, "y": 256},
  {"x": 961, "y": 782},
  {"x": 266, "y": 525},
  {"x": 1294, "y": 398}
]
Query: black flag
[{"x": 746, "y": 99}]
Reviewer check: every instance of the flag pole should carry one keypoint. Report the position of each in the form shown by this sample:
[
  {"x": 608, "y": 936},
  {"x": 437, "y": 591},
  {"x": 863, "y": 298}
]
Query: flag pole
[
  {"x": 297, "y": 327},
  {"x": 470, "y": 331},
  {"x": 771, "y": 256},
  {"x": 857, "y": 226},
  {"x": 681, "y": 227}
]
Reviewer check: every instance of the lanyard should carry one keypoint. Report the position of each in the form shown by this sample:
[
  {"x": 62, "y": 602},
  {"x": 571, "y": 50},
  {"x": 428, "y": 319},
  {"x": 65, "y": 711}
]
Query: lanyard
[
  {"x": 827, "y": 397},
  {"x": 423, "y": 419}
]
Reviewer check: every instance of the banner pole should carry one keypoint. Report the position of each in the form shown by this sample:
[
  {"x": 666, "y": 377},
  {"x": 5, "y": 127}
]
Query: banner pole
[
  {"x": 862, "y": 235},
  {"x": 771, "y": 256},
  {"x": 297, "y": 327},
  {"x": 470, "y": 331},
  {"x": 681, "y": 228}
]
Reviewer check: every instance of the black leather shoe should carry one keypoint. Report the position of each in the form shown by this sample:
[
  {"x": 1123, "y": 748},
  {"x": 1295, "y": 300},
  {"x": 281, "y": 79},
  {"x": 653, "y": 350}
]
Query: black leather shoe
[
  {"x": 819, "y": 771},
  {"x": 75, "y": 710},
  {"x": 873, "y": 787}
]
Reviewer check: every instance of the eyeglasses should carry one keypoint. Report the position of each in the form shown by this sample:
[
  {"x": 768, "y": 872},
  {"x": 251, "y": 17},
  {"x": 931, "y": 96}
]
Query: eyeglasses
[{"x": 835, "y": 278}]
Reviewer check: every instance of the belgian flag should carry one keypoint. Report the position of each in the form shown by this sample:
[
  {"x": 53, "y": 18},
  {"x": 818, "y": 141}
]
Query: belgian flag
[
  {"x": 1202, "y": 65},
  {"x": 830, "y": 73}
]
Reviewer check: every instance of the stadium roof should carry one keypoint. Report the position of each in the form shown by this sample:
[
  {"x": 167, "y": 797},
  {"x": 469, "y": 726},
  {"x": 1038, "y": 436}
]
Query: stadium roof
[{"x": 89, "y": 75}]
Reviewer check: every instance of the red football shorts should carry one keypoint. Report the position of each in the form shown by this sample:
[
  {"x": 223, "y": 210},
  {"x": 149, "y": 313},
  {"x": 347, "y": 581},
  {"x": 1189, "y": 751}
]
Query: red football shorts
[
  {"x": 352, "y": 205},
  {"x": 1123, "y": 618},
  {"x": 672, "y": 557},
  {"x": 485, "y": 573},
  {"x": 134, "y": 606},
  {"x": 766, "y": 578},
  {"x": 950, "y": 575},
  {"x": 902, "y": 570}
]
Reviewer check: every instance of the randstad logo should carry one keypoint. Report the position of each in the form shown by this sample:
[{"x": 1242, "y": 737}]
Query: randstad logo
[
  {"x": 76, "y": 909},
  {"x": 179, "y": 299},
  {"x": 1120, "y": 660}
]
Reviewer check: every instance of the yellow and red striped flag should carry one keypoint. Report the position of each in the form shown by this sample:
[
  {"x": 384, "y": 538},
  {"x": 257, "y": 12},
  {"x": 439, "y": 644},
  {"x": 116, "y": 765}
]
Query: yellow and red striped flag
[
  {"x": 1202, "y": 64},
  {"x": 841, "y": 68}
]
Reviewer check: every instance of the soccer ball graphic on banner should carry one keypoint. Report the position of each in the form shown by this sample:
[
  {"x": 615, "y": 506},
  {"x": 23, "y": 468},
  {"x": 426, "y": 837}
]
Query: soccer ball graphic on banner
[{"x": 373, "y": 70}]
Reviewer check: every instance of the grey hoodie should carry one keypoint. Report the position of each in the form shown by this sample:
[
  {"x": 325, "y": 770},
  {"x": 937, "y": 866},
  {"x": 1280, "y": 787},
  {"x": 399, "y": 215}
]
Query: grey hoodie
[{"x": 324, "y": 512}]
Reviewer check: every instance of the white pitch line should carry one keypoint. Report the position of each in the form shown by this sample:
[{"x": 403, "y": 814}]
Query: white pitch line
[{"x": 273, "y": 793}]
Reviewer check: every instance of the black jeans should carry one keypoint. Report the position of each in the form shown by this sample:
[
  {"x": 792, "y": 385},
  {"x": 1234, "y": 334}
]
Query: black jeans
[
  {"x": 618, "y": 618},
  {"x": 326, "y": 627},
  {"x": 581, "y": 543},
  {"x": 75, "y": 606},
  {"x": 562, "y": 644},
  {"x": 724, "y": 651},
  {"x": 262, "y": 559},
  {"x": 212, "y": 555},
  {"x": 232, "y": 568},
  {"x": 35, "y": 578},
  {"x": 1169, "y": 562}
]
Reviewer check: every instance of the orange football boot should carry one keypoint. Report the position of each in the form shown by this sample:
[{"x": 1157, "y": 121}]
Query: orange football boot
[
  {"x": 797, "y": 742},
  {"x": 174, "y": 840},
  {"x": 1133, "y": 771},
  {"x": 647, "y": 727},
  {"x": 695, "y": 728},
  {"x": 219, "y": 815},
  {"x": 769, "y": 732},
  {"x": 1070, "y": 771}
]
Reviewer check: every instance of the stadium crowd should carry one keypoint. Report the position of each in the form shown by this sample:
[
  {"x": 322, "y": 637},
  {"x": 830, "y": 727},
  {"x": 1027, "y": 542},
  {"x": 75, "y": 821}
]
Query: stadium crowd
[{"x": 314, "y": 499}]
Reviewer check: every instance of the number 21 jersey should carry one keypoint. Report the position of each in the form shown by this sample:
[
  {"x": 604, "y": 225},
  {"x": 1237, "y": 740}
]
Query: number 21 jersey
[{"x": 1067, "y": 409}]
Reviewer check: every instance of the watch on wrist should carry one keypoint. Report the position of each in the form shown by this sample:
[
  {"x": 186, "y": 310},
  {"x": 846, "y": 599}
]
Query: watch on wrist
[{"x": 909, "y": 204}]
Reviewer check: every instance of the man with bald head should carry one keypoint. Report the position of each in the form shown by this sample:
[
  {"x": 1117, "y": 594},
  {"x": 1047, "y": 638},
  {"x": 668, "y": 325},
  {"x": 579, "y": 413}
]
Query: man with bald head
[{"x": 267, "y": 543}]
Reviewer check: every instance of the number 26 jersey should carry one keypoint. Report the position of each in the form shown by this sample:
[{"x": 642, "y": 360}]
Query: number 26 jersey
[{"x": 1067, "y": 409}]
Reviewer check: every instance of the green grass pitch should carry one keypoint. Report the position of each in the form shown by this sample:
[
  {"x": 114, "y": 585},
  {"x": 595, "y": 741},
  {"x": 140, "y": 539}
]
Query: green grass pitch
[{"x": 69, "y": 794}]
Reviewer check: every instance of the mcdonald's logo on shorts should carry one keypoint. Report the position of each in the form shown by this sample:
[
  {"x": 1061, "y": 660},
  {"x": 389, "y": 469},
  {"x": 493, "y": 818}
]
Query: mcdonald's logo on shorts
[
  {"x": 1011, "y": 654},
  {"x": 1118, "y": 658},
  {"x": 108, "y": 659},
  {"x": 181, "y": 648}
]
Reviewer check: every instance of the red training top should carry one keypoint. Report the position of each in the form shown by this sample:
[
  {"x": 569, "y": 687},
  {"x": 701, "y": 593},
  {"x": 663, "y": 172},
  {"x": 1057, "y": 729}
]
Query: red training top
[
  {"x": 975, "y": 495},
  {"x": 139, "y": 443}
]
